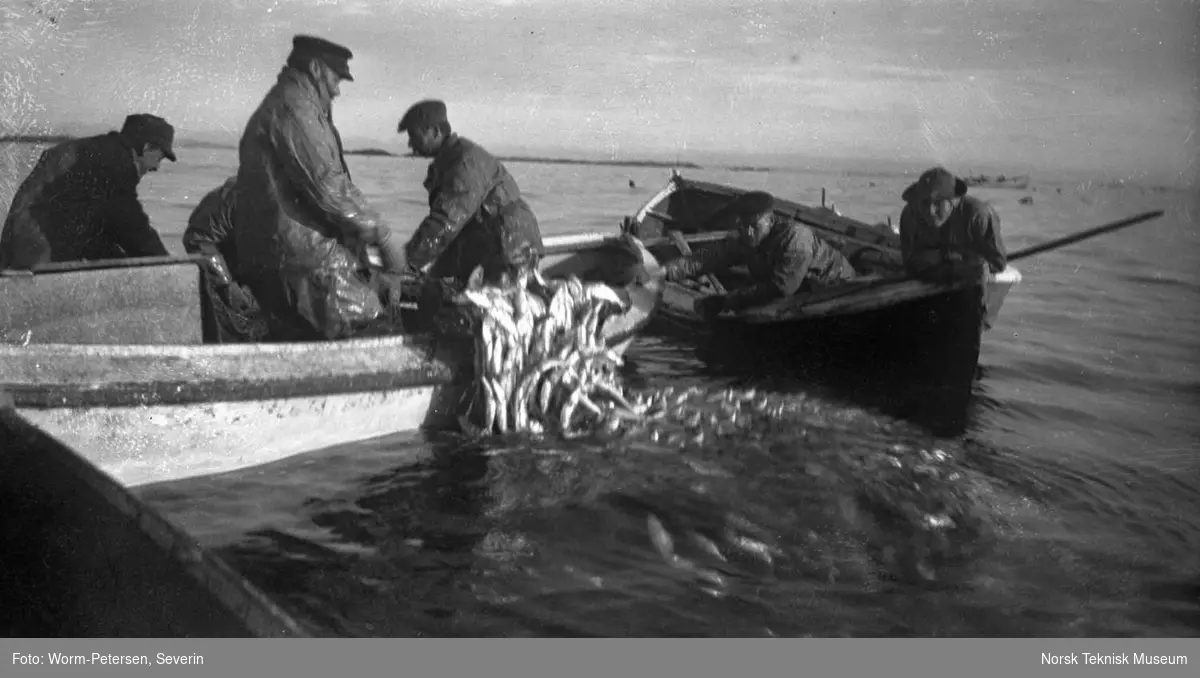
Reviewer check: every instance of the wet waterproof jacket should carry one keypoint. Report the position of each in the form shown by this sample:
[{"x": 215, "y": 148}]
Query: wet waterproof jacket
[
  {"x": 301, "y": 226},
  {"x": 476, "y": 217},
  {"x": 971, "y": 234},
  {"x": 786, "y": 259},
  {"x": 79, "y": 202},
  {"x": 210, "y": 226}
]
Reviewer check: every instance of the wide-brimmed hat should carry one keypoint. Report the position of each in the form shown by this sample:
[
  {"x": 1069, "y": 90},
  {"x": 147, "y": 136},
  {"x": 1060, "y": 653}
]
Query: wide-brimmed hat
[{"x": 936, "y": 183}]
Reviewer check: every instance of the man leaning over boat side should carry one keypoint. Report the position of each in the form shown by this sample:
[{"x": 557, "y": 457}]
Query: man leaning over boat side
[
  {"x": 946, "y": 234},
  {"x": 80, "y": 201},
  {"x": 784, "y": 257},
  {"x": 302, "y": 228},
  {"x": 209, "y": 233},
  {"x": 476, "y": 218}
]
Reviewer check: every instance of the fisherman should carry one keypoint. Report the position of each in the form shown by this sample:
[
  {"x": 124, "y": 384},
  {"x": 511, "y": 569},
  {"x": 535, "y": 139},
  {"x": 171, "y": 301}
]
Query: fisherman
[
  {"x": 236, "y": 316},
  {"x": 210, "y": 232},
  {"x": 784, "y": 257},
  {"x": 80, "y": 201},
  {"x": 476, "y": 218},
  {"x": 946, "y": 234},
  {"x": 303, "y": 230}
]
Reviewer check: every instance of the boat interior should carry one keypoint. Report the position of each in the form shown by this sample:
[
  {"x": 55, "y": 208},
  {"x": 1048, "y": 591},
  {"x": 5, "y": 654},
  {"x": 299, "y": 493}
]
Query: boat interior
[
  {"x": 160, "y": 300},
  {"x": 695, "y": 208}
]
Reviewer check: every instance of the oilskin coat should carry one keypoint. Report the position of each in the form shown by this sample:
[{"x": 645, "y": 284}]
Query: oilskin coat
[
  {"x": 789, "y": 259},
  {"x": 210, "y": 226},
  {"x": 971, "y": 235},
  {"x": 79, "y": 202},
  {"x": 301, "y": 226},
  {"x": 476, "y": 217}
]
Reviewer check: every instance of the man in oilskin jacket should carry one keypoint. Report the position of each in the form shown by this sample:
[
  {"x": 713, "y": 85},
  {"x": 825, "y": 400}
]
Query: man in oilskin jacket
[
  {"x": 946, "y": 234},
  {"x": 302, "y": 228},
  {"x": 783, "y": 256},
  {"x": 80, "y": 201},
  {"x": 210, "y": 231},
  {"x": 476, "y": 218},
  {"x": 234, "y": 315}
]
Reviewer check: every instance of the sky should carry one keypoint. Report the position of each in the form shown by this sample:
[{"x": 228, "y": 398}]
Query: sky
[{"x": 1029, "y": 84}]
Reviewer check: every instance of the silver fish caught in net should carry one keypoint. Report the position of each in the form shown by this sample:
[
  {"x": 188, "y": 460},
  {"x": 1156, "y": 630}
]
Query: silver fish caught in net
[{"x": 541, "y": 362}]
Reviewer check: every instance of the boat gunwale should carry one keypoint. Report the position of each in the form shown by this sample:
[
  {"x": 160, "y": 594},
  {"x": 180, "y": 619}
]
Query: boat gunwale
[{"x": 258, "y": 613}]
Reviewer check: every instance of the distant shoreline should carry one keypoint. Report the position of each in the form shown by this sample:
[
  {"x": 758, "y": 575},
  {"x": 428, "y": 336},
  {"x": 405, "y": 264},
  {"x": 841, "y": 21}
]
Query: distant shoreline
[
  {"x": 378, "y": 152},
  {"x": 1017, "y": 181},
  {"x": 541, "y": 160}
]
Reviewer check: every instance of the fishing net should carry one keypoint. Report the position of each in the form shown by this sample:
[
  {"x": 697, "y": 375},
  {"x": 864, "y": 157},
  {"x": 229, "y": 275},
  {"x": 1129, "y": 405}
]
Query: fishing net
[
  {"x": 231, "y": 314},
  {"x": 542, "y": 364}
]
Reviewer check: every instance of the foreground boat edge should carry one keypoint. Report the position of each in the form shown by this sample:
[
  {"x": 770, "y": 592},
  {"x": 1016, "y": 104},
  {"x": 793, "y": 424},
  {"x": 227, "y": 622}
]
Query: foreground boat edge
[{"x": 197, "y": 593}]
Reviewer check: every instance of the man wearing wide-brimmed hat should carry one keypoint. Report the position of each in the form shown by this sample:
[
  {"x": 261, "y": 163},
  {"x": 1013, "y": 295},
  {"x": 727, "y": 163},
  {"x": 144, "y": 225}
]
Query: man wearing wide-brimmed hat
[
  {"x": 947, "y": 234},
  {"x": 81, "y": 202},
  {"x": 302, "y": 228}
]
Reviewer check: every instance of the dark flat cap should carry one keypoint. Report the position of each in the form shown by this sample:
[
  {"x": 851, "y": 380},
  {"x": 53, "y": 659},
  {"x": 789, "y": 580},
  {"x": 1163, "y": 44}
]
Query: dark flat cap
[
  {"x": 936, "y": 183},
  {"x": 422, "y": 114},
  {"x": 331, "y": 53},
  {"x": 752, "y": 204},
  {"x": 143, "y": 128}
]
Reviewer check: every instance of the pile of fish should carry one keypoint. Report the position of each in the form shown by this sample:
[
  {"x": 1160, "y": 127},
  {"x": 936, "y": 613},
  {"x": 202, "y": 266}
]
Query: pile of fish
[{"x": 541, "y": 362}]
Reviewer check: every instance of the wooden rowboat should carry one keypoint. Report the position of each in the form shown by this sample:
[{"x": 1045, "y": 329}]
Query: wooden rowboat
[
  {"x": 878, "y": 322},
  {"x": 84, "y": 557},
  {"x": 108, "y": 356}
]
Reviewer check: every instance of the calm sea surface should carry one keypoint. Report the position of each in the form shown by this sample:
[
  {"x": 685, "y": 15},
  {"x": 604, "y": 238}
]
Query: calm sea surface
[{"x": 1075, "y": 485}]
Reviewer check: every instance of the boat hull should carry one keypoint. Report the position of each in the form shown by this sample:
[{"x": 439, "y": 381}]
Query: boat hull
[
  {"x": 880, "y": 329},
  {"x": 151, "y": 413},
  {"x": 83, "y": 557}
]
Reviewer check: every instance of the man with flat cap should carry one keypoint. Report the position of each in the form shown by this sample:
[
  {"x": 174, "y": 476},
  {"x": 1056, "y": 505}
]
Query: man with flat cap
[
  {"x": 302, "y": 228},
  {"x": 476, "y": 214},
  {"x": 783, "y": 256},
  {"x": 947, "y": 234},
  {"x": 80, "y": 201}
]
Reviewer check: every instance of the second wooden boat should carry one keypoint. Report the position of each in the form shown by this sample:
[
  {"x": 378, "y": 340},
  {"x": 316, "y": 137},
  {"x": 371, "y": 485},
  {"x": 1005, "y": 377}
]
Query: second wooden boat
[{"x": 877, "y": 323}]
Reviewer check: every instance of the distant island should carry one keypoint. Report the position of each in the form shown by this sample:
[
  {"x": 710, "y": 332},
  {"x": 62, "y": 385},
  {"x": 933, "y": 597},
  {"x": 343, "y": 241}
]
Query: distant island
[
  {"x": 379, "y": 152},
  {"x": 34, "y": 138},
  {"x": 374, "y": 151},
  {"x": 999, "y": 181}
]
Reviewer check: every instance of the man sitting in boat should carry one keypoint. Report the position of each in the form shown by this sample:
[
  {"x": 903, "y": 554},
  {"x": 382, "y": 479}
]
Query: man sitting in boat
[
  {"x": 210, "y": 233},
  {"x": 946, "y": 234},
  {"x": 783, "y": 256},
  {"x": 302, "y": 228},
  {"x": 476, "y": 218},
  {"x": 80, "y": 201}
]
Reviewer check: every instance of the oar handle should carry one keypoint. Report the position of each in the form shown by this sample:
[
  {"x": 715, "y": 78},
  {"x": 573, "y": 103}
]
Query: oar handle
[{"x": 1083, "y": 235}]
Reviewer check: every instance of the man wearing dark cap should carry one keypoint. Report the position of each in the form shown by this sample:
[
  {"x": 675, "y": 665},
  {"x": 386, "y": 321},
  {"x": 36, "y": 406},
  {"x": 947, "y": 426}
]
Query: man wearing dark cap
[
  {"x": 302, "y": 228},
  {"x": 476, "y": 214},
  {"x": 783, "y": 256},
  {"x": 947, "y": 234},
  {"x": 80, "y": 201}
]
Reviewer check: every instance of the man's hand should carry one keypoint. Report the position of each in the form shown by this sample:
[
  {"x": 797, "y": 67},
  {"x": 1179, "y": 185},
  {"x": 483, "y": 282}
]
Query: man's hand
[
  {"x": 710, "y": 307},
  {"x": 391, "y": 251},
  {"x": 214, "y": 266}
]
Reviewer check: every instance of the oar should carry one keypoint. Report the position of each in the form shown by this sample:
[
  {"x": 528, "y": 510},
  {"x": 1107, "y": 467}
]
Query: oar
[{"x": 1083, "y": 235}]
